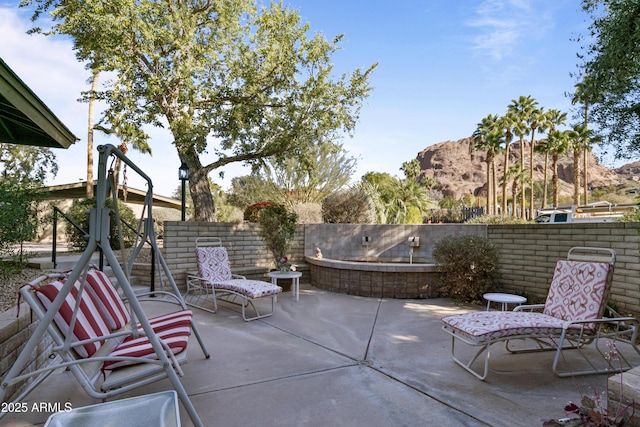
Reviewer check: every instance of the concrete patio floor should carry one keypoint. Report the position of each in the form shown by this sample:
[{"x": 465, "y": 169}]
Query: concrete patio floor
[{"x": 331, "y": 359}]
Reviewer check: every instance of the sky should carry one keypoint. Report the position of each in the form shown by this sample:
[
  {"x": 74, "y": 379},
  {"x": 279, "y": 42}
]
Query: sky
[{"x": 443, "y": 66}]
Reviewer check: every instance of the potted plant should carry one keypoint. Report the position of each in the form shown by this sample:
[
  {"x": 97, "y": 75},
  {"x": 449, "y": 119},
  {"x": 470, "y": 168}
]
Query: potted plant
[{"x": 277, "y": 228}]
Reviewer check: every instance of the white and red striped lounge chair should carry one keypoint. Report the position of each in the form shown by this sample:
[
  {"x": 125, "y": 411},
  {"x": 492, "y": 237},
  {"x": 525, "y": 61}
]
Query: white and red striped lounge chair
[
  {"x": 571, "y": 318},
  {"x": 215, "y": 281}
]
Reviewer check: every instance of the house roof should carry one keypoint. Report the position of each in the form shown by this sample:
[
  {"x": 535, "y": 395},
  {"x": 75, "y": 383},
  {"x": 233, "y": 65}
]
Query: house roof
[
  {"x": 25, "y": 119},
  {"x": 78, "y": 190}
]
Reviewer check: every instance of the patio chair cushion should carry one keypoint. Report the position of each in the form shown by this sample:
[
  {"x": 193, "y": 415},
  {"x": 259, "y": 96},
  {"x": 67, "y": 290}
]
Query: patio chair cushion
[
  {"x": 578, "y": 290},
  {"x": 87, "y": 325},
  {"x": 112, "y": 308},
  {"x": 213, "y": 263},
  {"x": 176, "y": 338},
  {"x": 250, "y": 288},
  {"x": 170, "y": 320},
  {"x": 483, "y": 326}
]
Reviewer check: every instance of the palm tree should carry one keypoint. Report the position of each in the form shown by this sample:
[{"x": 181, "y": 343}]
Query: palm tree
[
  {"x": 507, "y": 122},
  {"x": 558, "y": 144},
  {"x": 489, "y": 137},
  {"x": 406, "y": 193},
  {"x": 537, "y": 121},
  {"x": 583, "y": 95},
  {"x": 553, "y": 119},
  {"x": 516, "y": 175},
  {"x": 580, "y": 144},
  {"x": 522, "y": 108},
  {"x": 521, "y": 129}
]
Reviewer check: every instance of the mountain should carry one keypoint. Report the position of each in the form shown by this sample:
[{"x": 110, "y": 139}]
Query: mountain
[{"x": 459, "y": 170}]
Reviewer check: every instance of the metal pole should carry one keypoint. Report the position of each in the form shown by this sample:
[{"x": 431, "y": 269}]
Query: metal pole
[
  {"x": 184, "y": 195},
  {"x": 55, "y": 237}
]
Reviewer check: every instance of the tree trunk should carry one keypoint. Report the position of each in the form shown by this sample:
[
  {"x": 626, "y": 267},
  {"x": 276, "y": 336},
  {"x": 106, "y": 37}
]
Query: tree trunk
[
  {"x": 521, "y": 183},
  {"x": 504, "y": 181},
  {"x": 204, "y": 209},
  {"x": 494, "y": 178},
  {"x": 576, "y": 177},
  {"x": 92, "y": 101},
  {"x": 488, "y": 184},
  {"x": 531, "y": 152},
  {"x": 585, "y": 173},
  {"x": 545, "y": 186},
  {"x": 554, "y": 179}
]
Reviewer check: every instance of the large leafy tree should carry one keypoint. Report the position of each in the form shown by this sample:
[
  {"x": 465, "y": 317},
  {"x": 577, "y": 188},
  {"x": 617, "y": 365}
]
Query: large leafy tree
[
  {"x": 523, "y": 110},
  {"x": 611, "y": 64},
  {"x": 227, "y": 77},
  {"x": 292, "y": 181}
]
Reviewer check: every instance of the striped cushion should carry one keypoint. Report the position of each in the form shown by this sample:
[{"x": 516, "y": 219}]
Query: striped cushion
[
  {"x": 176, "y": 338},
  {"x": 168, "y": 321},
  {"x": 88, "y": 323},
  {"x": 113, "y": 310}
]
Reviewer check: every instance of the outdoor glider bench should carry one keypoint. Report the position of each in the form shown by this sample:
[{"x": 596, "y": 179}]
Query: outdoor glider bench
[
  {"x": 98, "y": 339},
  {"x": 571, "y": 318},
  {"x": 215, "y": 280}
]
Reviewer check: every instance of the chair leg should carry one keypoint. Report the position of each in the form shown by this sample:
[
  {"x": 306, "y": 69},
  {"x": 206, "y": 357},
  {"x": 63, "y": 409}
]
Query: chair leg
[{"x": 486, "y": 348}]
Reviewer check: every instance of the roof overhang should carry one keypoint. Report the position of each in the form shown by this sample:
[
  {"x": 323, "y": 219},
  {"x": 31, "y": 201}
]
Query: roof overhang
[
  {"x": 78, "y": 190},
  {"x": 24, "y": 119}
]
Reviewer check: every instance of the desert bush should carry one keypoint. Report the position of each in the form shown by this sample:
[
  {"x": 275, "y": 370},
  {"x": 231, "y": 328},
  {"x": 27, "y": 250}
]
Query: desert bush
[
  {"x": 308, "y": 213},
  {"x": 469, "y": 267},
  {"x": 79, "y": 213},
  {"x": 350, "y": 206}
]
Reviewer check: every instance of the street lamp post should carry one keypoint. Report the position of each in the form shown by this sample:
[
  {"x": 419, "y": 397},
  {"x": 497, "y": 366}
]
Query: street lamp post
[{"x": 183, "y": 175}]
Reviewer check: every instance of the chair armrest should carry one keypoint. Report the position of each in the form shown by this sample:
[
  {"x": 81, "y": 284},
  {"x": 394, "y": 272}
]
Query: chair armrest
[
  {"x": 237, "y": 276},
  {"x": 529, "y": 307},
  {"x": 602, "y": 320}
]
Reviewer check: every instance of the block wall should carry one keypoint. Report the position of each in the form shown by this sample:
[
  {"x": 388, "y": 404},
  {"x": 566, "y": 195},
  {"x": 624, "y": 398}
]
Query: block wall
[
  {"x": 15, "y": 329},
  {"x": 528, "y": 254},
  {"x": 245, "y": 248}
]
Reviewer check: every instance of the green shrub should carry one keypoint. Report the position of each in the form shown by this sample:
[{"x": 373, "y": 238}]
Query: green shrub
[
  {"x": 79, "y": 213},
  {"x": 277, "y": 229},
  {"x": 469, "y": 267}
]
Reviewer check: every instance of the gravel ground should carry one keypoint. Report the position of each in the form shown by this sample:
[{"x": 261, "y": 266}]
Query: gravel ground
[{"x": 10, "y": 283}]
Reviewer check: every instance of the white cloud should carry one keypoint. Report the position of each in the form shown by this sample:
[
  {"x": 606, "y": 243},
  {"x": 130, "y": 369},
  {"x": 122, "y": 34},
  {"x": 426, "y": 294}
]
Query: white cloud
[{"x": 502, "y": 24}]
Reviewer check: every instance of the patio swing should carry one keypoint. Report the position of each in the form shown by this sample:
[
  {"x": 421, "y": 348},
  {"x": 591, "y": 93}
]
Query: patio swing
[{"x": 109, "y": 348}]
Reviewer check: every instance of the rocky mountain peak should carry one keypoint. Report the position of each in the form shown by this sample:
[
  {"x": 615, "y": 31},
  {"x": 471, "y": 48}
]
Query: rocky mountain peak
[{"x": 458, "y": 169}]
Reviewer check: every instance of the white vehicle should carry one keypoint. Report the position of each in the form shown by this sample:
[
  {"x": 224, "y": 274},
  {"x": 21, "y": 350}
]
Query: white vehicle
[{"x": 593, "y": 212}]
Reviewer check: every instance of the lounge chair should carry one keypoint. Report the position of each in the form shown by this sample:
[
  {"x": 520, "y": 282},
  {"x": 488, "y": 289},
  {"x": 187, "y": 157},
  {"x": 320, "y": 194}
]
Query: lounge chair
[
  {"x": 571, "y": 318},
  {"x": 215, "y": 281}
]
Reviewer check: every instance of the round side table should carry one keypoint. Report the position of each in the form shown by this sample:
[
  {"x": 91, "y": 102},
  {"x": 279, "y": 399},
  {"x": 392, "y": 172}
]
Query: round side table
[
  {"x": 503, "y": 299},
  {"x": 295, "y": 280}
]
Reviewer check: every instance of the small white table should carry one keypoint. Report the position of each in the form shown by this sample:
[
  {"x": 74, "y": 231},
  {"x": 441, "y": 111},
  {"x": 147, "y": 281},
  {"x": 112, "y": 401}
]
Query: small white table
[
  {"x": 503, "y": 299},
  {"x": 295, "y": 280}
]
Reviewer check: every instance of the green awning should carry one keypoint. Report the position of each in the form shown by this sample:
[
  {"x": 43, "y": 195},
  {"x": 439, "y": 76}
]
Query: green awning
[{"x": 24, "y": 119}]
